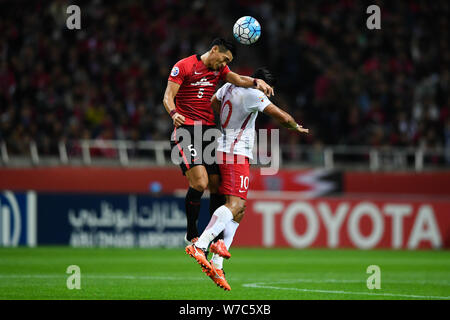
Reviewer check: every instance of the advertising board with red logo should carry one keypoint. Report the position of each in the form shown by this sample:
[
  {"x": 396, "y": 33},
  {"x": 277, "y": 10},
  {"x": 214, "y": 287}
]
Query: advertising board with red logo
[{"x": 345, "y": 222}]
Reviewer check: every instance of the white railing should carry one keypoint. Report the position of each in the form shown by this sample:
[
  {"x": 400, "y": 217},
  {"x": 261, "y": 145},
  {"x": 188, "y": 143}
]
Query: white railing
[
  {"x": 375, "y": 158},
  {"x": 144, "y": 153}
]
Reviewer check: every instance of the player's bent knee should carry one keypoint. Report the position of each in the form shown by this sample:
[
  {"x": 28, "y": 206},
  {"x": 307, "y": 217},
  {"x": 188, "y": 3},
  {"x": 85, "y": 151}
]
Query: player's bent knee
[
  {"x": 238, "y": 217},
  {"x": 200, "y": 186},
  {"x": 240, "y": 208}
]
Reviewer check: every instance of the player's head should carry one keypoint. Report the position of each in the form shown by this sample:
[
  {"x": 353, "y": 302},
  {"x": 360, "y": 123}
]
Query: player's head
[
  {"x": 221, "y": 53},
  {"x": 264, "y": 74}
]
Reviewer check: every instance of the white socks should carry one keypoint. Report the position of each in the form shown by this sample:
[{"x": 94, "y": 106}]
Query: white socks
[
  {"x": 216, "y": 225},
  {"x": 228, "y": 235}
]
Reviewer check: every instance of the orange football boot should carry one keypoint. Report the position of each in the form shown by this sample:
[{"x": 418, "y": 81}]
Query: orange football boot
[
  {"x": 220, "y": 248},
  {"x": 199, "y": 255},
  {"x": 218, "y": 276}
]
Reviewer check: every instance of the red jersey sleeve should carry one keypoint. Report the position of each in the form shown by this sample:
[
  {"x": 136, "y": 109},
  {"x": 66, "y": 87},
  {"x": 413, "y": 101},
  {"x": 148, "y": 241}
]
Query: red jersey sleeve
[
  {"x": 224, "y": 72},
  {"x": 178, "y": 72}
]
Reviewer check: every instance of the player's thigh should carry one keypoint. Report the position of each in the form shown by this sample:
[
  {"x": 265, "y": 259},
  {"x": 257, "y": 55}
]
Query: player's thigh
[
  {"x": 182, "y": 146},
  {"x": 213, "y": 182},
  {"x": 210, "y": 162},
  {"x": 197, "y": 177},
  {"x": 235, "y": 177}
]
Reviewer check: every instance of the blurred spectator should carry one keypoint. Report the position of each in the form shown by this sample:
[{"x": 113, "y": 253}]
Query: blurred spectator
[{"x": 352, "y": 85}]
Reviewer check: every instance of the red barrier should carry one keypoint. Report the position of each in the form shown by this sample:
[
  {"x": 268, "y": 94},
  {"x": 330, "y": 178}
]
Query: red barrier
[
  {"x": 345, "y": 222},
  {"x": 397, "y": 220},
  {"x": 138, "y": 180},
  {"x": 311, "y": 182},
  {"x": 91, "y": 179},
  {"x": 426, "y": 183}
]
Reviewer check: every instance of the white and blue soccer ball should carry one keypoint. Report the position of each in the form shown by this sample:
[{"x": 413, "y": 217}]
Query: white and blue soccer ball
[{"x": 247, "y": 30}]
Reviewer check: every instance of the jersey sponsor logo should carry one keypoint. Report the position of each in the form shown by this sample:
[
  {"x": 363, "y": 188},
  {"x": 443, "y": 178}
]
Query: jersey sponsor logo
[
  {"x": 175, "y": 72},
  {"x": 202, "y": 82}
]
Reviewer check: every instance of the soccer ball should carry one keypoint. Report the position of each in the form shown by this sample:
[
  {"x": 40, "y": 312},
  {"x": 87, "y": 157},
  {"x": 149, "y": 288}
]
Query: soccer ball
[{"x": 247, "y": 30}]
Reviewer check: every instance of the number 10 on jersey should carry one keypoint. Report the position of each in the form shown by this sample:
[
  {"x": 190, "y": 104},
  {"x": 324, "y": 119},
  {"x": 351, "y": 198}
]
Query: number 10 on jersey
[{"x": 244, "y": 182}]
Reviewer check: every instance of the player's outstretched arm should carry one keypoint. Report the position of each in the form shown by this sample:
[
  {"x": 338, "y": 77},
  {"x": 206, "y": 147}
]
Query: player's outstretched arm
[
  {"x": 168, "y": 101},
  {"x": 249, "y": 82},
  {"x": 284, "y": 118}
]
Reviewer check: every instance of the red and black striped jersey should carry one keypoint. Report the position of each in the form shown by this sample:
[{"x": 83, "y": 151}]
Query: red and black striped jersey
[{"x": 197, "y": 86}]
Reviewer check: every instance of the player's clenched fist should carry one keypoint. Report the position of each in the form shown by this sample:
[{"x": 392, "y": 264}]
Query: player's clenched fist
[{"x": 178, "y": 119}]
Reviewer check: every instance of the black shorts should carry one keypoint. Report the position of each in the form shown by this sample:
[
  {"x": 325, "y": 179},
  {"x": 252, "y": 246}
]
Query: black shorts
[{"x": 190, "y": 149}]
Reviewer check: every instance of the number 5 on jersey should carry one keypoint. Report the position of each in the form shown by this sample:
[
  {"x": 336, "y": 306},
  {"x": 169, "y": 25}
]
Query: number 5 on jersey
[
  {"x": 200, "y": 93},
  {"x": 192, "y": 150}
]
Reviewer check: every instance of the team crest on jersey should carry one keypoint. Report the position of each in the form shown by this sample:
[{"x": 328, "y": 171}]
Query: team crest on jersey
[
  {"x": 262, "y": 99},
  {"x": 175, "y": 71}
]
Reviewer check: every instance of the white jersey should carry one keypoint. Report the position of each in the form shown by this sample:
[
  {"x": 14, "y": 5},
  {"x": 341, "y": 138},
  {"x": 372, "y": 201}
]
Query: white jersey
[{"x": 238, "y": 112}]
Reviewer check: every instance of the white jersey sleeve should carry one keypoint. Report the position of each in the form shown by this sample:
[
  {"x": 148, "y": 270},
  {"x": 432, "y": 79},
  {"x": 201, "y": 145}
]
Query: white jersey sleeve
[
  {"x": 255, "y": 100},
  {"x": 222, "y": 90}
]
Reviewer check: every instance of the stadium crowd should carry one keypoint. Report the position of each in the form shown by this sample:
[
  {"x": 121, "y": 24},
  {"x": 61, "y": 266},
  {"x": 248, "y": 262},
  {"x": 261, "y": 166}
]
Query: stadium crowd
[{"x": 348, "y": 84}]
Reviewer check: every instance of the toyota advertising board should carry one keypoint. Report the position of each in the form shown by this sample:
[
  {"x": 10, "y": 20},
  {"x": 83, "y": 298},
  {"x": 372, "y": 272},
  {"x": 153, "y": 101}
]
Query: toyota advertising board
[
  {"x": 346, "y": 222},
  {"x": 136, "y": 220}
]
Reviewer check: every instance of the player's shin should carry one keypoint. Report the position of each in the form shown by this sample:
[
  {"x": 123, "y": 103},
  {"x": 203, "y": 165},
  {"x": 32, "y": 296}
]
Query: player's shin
[
  {"x": 228, "y": 232},
  {"x": 216, "y": 225},
  {"x": 216, "y": 200},
  {"x": 192, "y": 204}
]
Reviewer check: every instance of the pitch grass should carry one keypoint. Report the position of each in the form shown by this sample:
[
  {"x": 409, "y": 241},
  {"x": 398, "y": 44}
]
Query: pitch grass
[{"x": 40, "y": 273}]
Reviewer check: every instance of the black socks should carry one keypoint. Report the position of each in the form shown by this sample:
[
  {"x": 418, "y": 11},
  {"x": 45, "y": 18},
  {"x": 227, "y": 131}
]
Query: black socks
[
  {"x": 192, "y": 203},
  {"x": 215, "y": 201}
]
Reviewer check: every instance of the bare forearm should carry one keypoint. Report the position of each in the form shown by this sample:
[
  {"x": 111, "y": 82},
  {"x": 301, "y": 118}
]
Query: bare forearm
[
  {"x": 169, "y": 97},
  {"x": 247, "y": 82},
  {"x": 288, "y": 121},
  {"x": 240, "y": 81},
  {"x": 169, "y": 104},
  {"x": 282, "y": 117}
]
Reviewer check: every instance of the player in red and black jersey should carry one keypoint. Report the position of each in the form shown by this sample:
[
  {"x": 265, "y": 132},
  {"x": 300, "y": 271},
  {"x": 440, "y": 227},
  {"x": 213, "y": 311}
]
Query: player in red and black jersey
[{"x": 192, "y": 83}]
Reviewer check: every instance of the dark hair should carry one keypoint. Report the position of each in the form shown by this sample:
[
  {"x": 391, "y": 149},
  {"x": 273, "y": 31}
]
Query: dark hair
[
  {"x": 224, "y": 45},
  {"x": 264, "y": 74}
]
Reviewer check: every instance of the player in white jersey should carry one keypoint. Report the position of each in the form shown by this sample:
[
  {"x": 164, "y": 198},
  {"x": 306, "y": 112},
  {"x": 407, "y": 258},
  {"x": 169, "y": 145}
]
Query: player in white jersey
[{"x": 238, "y": 108}]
